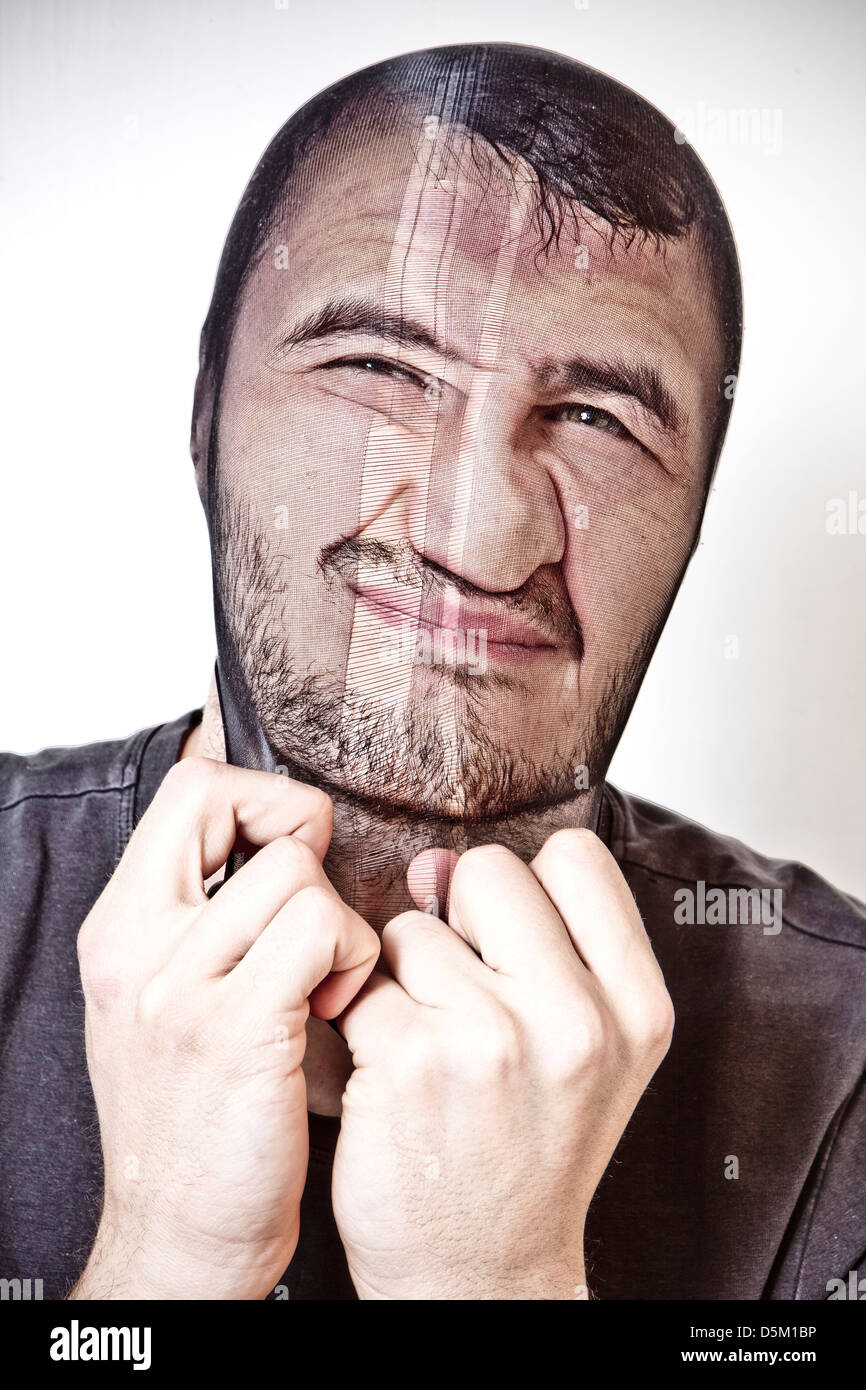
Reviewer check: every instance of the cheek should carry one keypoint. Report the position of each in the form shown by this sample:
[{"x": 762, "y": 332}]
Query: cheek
[
  {"x": 298, "y": 464},
  {"x": 620, "y": 568}
]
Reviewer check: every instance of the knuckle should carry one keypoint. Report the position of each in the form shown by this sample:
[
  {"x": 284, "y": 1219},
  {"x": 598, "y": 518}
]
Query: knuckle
[
  {"x": 591, "y": 1036},
  {"x": 321, "y": 805},
  {"x": 371, "y": 938},
  {"x": 479, "y": 860},
  {"x": 412, "y": 926},
  {"x": 101, "y": 978},
  {"x": 658, "y": 1023},
  {"x": 575, "y": 842},
  {"x": 190, "y": 776},
  {"x": 287, "y": 854},
  {"x": 493, "y": 1045},
  {"x": 152, "y": 1003},
  {"x": 478, "y": 852},
  {"x": 584, "y": 1042},
  {"x": 165, "y": 1020},
  {"x": 317, "y": 902},
  {"x": 416, "y": 1062}
]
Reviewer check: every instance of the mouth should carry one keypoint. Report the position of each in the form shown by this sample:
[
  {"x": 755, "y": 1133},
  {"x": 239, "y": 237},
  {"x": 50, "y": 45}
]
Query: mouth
[{"x": 449, "y": 623}]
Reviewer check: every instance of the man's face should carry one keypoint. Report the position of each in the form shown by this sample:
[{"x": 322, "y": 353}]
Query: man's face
[{"x": 459, "y": 475}]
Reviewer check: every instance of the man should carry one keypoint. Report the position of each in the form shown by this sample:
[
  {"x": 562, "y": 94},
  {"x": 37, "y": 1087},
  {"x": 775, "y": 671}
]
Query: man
[{"x": 463, "y": 386}]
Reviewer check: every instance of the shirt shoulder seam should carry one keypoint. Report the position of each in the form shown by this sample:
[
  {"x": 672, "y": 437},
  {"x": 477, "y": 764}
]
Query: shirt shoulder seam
[{"x": 720, "y": 883}]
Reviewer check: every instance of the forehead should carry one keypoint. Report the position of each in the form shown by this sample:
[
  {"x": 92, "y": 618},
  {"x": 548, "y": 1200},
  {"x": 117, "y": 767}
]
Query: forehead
[{"x": 437, "y": 225}]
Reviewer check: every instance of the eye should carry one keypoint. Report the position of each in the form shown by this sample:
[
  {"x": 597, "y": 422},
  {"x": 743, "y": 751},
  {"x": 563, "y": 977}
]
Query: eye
[
  {"x": 593, "y": 416},
  {"x": 380, "y": 366}
]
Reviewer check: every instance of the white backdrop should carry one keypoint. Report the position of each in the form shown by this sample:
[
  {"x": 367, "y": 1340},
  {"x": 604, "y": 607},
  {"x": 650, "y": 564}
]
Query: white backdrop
[{"x": 128, "y": 133}]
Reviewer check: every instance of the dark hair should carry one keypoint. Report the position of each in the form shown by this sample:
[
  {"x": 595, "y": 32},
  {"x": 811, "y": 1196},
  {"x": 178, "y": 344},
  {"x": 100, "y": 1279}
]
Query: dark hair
[{"x": 589, "y": 140}]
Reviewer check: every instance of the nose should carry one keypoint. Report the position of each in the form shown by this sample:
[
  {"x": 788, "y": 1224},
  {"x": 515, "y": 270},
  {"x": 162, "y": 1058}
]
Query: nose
[{"x": 490, "y": 513}]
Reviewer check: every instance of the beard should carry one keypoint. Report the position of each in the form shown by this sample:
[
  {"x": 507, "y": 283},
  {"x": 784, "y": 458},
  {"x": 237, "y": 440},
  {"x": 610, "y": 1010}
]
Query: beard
[{"x": 435, "y": 754}]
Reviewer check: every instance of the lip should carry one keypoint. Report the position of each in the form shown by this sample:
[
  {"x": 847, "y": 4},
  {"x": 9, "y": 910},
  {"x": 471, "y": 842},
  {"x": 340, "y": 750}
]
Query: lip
[{"x": 507, "y": 634}]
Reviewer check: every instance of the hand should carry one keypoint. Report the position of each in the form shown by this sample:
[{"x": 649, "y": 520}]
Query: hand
[
  {"x": 494, "y": 1075},
  {"x": 195, "y": 1027}
]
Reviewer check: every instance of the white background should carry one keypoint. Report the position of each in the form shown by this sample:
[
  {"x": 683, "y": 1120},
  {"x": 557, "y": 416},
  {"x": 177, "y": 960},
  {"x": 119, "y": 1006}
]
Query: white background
[{"x": 128, "y": 134}]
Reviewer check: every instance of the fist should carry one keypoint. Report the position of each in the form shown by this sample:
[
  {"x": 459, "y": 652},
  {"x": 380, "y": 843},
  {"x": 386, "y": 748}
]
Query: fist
[
  {"x": 195, "y": 1029},
  {"x": 497, "y": 1063}
]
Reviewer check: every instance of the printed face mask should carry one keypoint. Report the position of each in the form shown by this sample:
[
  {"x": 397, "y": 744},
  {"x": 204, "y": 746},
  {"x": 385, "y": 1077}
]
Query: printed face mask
[{"x": 464, "y": 382}]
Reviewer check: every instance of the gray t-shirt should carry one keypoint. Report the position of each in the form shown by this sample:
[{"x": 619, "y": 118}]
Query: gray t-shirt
[{"x": 741, "y": 1173}]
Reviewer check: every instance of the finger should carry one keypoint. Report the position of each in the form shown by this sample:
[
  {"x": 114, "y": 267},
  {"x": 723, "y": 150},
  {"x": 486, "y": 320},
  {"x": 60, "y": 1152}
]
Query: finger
[
  {"x": 200, "y": 810},
  {"x": 583, "y": 880},
  {"x": 227, "y": 926},
  {"x": 315, "y": 943},
  {"x": 429, "y": 880},
  {"x": 374, "y": 1021},
  {"x": 431, "y": 962},
  {"x": 502, "y": 910}
]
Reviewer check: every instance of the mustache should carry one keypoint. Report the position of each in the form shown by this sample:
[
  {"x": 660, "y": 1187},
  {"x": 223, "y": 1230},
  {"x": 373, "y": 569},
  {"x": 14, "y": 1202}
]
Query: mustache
[{"x": 541, "y": 601}]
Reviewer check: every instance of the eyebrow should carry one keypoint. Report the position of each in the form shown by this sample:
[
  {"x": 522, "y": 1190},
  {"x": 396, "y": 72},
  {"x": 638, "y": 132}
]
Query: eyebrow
[
  {"x": 641, "y": 381},
  {"x": 366, "y": 316}
]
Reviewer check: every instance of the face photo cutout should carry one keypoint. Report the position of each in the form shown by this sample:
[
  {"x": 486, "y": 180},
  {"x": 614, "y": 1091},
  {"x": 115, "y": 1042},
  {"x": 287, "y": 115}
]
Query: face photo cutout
[{"x": 464, "y": 382}]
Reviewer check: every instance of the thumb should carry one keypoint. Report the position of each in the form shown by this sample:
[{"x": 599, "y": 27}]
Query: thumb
[{"x": 429, "y": 880}]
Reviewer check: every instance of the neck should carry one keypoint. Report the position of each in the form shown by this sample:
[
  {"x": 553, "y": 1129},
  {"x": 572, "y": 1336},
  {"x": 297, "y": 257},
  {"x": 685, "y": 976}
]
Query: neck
[
  {"x": 371, "y": 847},
  {"x": 367, "y": 862}
]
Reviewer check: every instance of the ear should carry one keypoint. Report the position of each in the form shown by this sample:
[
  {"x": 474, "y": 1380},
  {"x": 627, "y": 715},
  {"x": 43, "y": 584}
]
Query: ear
[{"x": 202, "y": 418}]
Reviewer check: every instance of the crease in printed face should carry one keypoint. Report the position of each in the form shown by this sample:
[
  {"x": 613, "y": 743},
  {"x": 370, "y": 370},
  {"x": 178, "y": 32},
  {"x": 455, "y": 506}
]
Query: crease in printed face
[{"x": 461, "y": 466}]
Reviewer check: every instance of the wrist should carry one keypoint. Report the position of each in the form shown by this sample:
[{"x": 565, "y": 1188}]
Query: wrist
[
  {"x": 146, "y": 1268},
  {"x": 560, "y": 1281}
]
